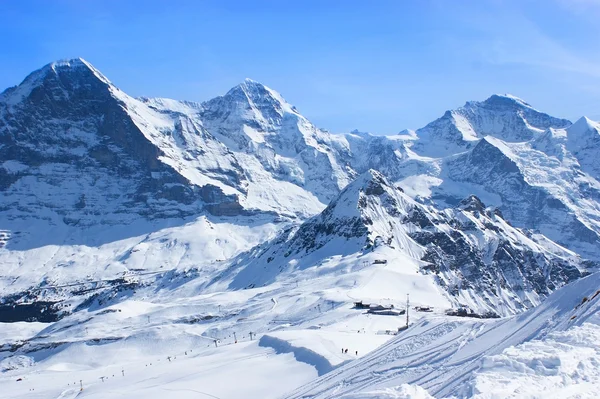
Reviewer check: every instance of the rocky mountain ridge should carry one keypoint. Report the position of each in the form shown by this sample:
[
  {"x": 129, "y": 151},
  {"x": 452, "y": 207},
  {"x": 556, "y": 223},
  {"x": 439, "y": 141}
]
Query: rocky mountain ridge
[
  {"x": 474, "y": 254},
  {"x": 81, "y": 159}
]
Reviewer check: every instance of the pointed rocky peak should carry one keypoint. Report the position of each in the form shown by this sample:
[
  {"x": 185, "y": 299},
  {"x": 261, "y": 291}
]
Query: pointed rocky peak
[
  {"x": 249, "y": 101},
  {"x": 249, "y": 90},
  {"x": 58, "y": 81},
  {"x": 376, "y": 185},
  {"x": 584, "y": 127},
  {"x": 370, "y": 182},
  {"x": 583, "y": 135},
  {"x": 583, "y": 141},
  {"x": 472, "y": 203},
  {"x": 76, "y": 65},
  {"x": 369, "y": 195}
]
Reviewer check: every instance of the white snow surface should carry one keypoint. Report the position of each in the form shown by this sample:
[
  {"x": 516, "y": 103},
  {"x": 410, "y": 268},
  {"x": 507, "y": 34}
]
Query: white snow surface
[
  {"x": 162, "y": 300},
  {"x": 553, "y": 346}
]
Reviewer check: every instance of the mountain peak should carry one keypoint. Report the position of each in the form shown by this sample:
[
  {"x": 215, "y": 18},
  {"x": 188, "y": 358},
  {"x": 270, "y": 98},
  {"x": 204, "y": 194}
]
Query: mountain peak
[
  {"x": 253, "y": 90},
  {"x": 259, "y": 95},
  {"x": 371, "y": 182},
  {"x": 56, "y": 74},
  {"x": 584, "y": 124},
  {"x": 584, "y": 135},
  {"x": 368, "y": 186},
  {"x": 69, "y": 66},
  {"x": 252, "y": 82},
  {"x": 471, "y": 203},
  {"x": 250, "y": 102},
  {"x": 77, "y": 62},
  {"x": 506, "y": 99}
]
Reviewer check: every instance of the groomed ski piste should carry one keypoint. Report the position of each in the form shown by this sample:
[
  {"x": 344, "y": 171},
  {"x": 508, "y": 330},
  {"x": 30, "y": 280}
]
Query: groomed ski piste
[
  {"x": 162, "y": 342},
  {"x": 550, "y": 351}
]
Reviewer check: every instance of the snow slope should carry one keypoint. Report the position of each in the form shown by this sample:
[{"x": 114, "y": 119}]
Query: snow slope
[
  {"x": 441, "y": 355},
  {"x": 471, "y": 252}
]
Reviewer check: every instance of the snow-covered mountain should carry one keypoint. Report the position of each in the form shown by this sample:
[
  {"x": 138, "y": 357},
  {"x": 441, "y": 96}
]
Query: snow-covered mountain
[
  {"x": 135, "y": 230},
  {"x": 77, "y": 148},
  {"x": 479, "y": 258},
  {"x": 251, "y": 151},
  {"x": 505, "y": 117},
  {"x": 84, "y": 163}
]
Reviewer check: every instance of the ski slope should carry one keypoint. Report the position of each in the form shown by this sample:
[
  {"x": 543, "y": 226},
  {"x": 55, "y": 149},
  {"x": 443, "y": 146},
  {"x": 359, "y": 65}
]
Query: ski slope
[
  {"x": 299, "y": 327},
  {"x": 164, "y": 344},
  {"x": 442, "y": 355}
]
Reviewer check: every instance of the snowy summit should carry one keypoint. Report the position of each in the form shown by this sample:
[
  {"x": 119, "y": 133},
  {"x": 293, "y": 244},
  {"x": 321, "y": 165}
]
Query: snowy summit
[{"x": 152, "y": 245}]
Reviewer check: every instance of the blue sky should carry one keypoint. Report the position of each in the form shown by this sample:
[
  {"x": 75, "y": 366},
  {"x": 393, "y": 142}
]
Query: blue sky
[{"x": 378, "y": 66}]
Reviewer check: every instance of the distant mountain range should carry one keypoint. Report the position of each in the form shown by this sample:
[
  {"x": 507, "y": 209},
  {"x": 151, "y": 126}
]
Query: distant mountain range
[{"x": 83, "y": 166}]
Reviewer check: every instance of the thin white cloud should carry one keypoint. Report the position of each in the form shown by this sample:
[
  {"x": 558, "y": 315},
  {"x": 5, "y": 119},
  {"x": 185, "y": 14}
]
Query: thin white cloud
[{"x": 510, "y": 38}]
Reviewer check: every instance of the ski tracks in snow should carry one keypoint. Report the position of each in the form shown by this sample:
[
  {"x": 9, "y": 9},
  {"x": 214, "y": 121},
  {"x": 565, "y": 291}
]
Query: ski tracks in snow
[
  {"x": 70, "y": 393},
  {"x": 416, "y": 345}
]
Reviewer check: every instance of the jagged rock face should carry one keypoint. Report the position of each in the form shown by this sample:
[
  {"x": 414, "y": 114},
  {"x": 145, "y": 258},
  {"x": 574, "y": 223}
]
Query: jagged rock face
[
  {"x": 483, "y": 253},
  {"x": 72, "y": 145},
  {"x": 472, "y": 251},
  {"x": 495, "y": 167},
  {"x": 505, "y": 117},
  {"x": 461, "y": 265},
  {"x": 255, "y": 120},
  {"x": 68, "y": 143}
]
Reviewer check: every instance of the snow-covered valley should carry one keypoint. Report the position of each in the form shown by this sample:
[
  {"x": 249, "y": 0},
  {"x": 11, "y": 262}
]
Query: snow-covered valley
[
  {"x": 151, "y": 246},
  {"x": 165, "y": 344}
]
